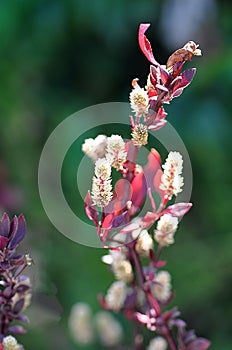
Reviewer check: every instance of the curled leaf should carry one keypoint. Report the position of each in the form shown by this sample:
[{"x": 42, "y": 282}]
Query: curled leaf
[{"x": 144, "y": 43}]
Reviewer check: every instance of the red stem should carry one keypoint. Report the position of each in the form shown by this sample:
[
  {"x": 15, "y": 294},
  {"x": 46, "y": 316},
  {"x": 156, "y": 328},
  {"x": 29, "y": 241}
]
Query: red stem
[
  {"x": 141, "y": 279},
  {"x": 170, "y": 340}
]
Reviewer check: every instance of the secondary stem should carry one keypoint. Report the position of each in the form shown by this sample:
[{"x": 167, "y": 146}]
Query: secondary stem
[{"x": 170, "y": 340}]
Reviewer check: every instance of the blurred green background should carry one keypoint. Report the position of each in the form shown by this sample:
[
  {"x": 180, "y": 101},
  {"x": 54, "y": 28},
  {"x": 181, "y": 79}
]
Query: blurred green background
[{"x": 57, "y": 57}]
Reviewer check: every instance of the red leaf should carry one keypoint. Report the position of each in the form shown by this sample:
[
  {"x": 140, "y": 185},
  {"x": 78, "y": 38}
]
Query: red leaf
[
  {"x": 178, "y": 209},
  {"x": 122, "y": 195},
  {"x": 139, "y": 189},
  {"x": 107, "y": 223},
  {"x": 3, "y": 242},
  {"x": 91, "y": 212},
  {"x": 153, "y": 75},
  {"x": 164, "y": 75},
  {"x": 144, "y": 43},
  {"x": 153, "y": 165}
]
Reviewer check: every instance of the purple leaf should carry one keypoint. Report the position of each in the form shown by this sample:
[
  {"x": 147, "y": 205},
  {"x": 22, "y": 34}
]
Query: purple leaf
[
  {"x": 186, "y": 78},
  {"x": 22, "y": 318},
  {"x": 5, "y": 225},
  {"x": 179, "y": 323},
  {"x": 177, "y": 93},
  {"x": 17, "y": 330},
  {"x": 178, "y": 209},
  {"x": 22, "y": 288},
  {"x": 7, "y": 292},
  {"x": 13, "y": 227},
  {"x": 18, "y": 306},
  {"x": 19, "y": 234},
  {"x": 120, "y": 220},
  {"x": 164, "y": 75},
  {"x": 199, "y": 344},
  {"x": 5, "y": 265}
]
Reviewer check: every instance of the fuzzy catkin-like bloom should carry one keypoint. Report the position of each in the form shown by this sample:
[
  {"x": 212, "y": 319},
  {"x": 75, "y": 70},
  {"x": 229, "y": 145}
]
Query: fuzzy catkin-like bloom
[
  {"x": 10, "y": 343},
  {"x": 101, "y": 187},
  {"x": 80, "y": 324},
  {"x": 162, "y": 286},
  {"x": 115, "y": 151},
  {"x": 109, "y": 329},
  {"x": 166, "y": 228},
  {"x": 139, "y": 100},
  {"x": 171, "y": 180},
  {"x": 95, "y": 148},
  {"x": 123, "y": 271},
  {"x": 144, "y": 243},
  {"x": 102, "y": 169},
  {"x": 114, "y": 257},
  {"x": 116, "y": 295},
  {"x": 139, "y": 135},
  {"x": 158, "y": 343},
  {"x": 121, "y": 267}
]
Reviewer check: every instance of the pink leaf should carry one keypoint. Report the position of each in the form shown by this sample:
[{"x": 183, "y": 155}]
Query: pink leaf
[
  {"x": 178, "y": 209},
  {"x": 144, "y": 43},
  {"x": 157, "y": 125},
  {"x": 149, "y": 219},
  {"x": 160, "y": 263},
  {"x": 164, "y": 75}
]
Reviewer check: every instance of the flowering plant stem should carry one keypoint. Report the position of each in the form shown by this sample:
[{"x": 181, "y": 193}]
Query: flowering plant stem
[{"x": 142, "y": 291}]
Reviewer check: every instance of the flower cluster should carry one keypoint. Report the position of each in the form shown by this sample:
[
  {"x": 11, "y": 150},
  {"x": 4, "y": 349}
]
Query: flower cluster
[
  {"x": 143, "y": 289},
  {"x": 15, "y": 291},
  {"x": 86, "y": 327}
]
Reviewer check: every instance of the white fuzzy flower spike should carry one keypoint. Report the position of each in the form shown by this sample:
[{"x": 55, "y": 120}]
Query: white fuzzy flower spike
[
  {"x": 162, "y": 286},
  {"x": 171, "y": 180},
  {"x": 109, "y": 329},
  {"x": 95, "y": 148},
  {"x": 80, "y": 324},
  {"x": 116, "y": 295},
  {"x": 101, "y": 187},
  {"x": 166, "y": 228},
  {"x": 115, "y": 151},
  {"x": 139, "y": 100}
]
